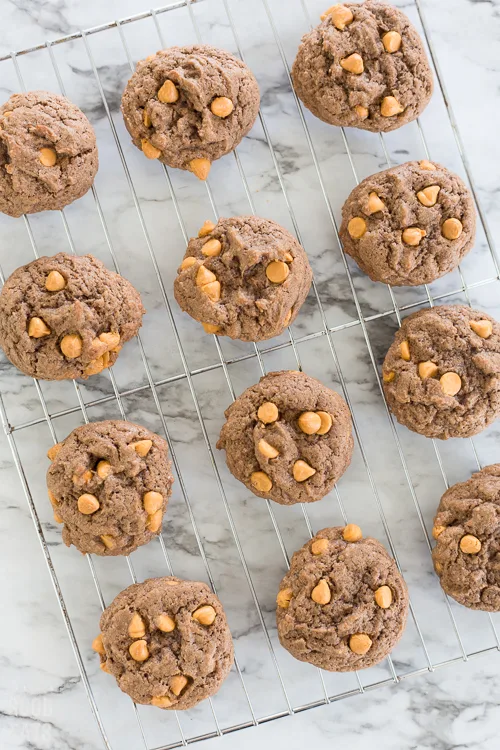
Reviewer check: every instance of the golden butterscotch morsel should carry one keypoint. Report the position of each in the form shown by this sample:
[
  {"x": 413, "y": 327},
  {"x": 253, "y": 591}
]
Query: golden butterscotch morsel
[
  {"x": 413, "y": 236},
  {"x": 284, "y": 598},
  {"x": 391, "y": 41},
  {"x": 205, "y": 615},
  {"x": 57, "y": 517},
  {"x": 268, "y": 412},
  {"x": 360, "y": 643},
  {"x": 136, "y": 626},
  {"x": 222, "y": 106},
  {"x": 388, "y": 377},
  {"x": 207, "y": 228},
  {"x": 71, "y": 345},
  {"x": 177, "y": 683},
  {"x": 383, "y": 597},
  {"x": 437, "y": 531},
  {"x": 108, "y": 541},
  {"x": 277, "y": 271},
  {"x": 142, "y": 447},
  {"x": 212, "y": 248},
  {"x": 97, "y": 365},
  {"x": 302, "y": 471},
  {"x": 162, "y": 701},
  {"x": 104, "y": 469},
  {"x": 48, "y": 157},
  {"x": 260, "y": 481},
  {"x": 427, "y": 165},
  {"x": 168, "y": 93},
  {"x": 287, "y": 319},
  {"x": 362, "y": 112},
  {"x": 326, "y": 422},
  {"x": 341, "y": 16},
  {"x": 266, "y": 449},
  {"x": 321, "y": 593},
  {"x": 210, "y": 328},
  {"x": 55, "y": 281},
  {"x": 154, "y": 521},
  {"x": 152, "y": 501},
  {"x": 54, "y": 450},
  {"x": 470, "y": 544},
  {"x": 37, "y": 328},
  {"x": 451, "y": 383},
  {"x": 427, "y": 369},
  {"x": 289, "y": 257},
  {"x": 200, "y": 168},
  {"x": 374, "y": 204},
  {"x": 438, "y": 568},
  {"x": 390, "y": 107},
  {"x": 352, "y": 533},
  {"x": 309, "y": 422},
  {"x": 165, "y": 623},
  {"x": 84, "y": 478},
  {"x": 204, "y": 276},
  {"x": 212, "y": 290},
  {"x": 428, "y": 196},
  {"x": 353, "y": 64},
  {"x": 483, "y": 328},
  {"x": 139, "y": 651},
  {"x": 319, "y": 546},
  {"x": 188, "y": 262},
  {"x": 88, "y": 504},
  {"x": 451, "y": 229},
  {"x": 98, "y": 645},
  {"x": 146, "y": 119},
  {"x": 356, "y": 227},
  {"x": 52, "y": 498},
  {"x": 404, "y": 348},
  {"x": 150, "y": 151},
  {"x": 105, "y": 668},
  {"x": 110, "y": 338}
]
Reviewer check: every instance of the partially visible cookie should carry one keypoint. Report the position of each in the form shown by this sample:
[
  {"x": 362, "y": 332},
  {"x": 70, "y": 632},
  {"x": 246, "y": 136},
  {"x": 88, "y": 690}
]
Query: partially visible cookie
[
  {"x": 288, "y": 438},
  {"x": 244, "y": 277},
  {"x": 442, "y": 373},
  {"x": 167, "y": 642},
  {"x": 364, "y": 66},
  {"x": 48, "y": 153},
  {"x": 188, "y": 106},
  {"x": 467, "y": 529},
  {"x": 343, "y": 604},
  {"x": 410, "y": 224},
  {"x": 109, "y": 484},
  {"x": 67, "y": 317}
]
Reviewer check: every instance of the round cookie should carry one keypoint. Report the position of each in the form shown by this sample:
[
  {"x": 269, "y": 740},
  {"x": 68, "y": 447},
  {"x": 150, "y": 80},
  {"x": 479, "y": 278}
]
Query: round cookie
[
  {"x": 442, "y": 373},
  {"x": 343, "y": 604},
  {"x": 109, "y": 484},
  {"x": 410, "y": 224},
  {"x": 467, "y": 530},
  {"x": 364, "y": 66},
  {"x": 66, "y": 317},
  {"x": 288, "y": 438},
  {"x": 188, "y": 106},
  {"x": 48, "y": 153},
  {"x": 245, "y": 277},
  {"x": 167, "y": 642}
]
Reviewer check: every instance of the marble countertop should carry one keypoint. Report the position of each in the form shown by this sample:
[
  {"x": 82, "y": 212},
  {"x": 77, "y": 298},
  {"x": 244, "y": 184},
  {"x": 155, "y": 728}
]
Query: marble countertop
[{"x": 43, "y": 702}]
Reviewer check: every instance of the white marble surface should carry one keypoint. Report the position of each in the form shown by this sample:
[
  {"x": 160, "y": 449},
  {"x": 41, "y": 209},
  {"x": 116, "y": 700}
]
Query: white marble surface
[{"x": 43, "y": 704}]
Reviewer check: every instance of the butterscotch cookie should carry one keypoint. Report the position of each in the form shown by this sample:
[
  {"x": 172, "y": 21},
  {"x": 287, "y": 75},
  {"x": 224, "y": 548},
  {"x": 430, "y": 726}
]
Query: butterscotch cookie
[
  {"x": 442, "y": 373},
  {"x": 467, "y": 529},
  {"x": 48, "y": 153},
  {"x": 288, "y": 438},
  {"x": 410, "y": 224},
  {"x": 343, "y": 604},
  {"x": 244, "y": 277},
  {"x": 109, "y": 484},
  {"x": 167, "y": 642},
  {"x": 188, "y": 106},
  {"x": 364, "y": 66},
  {"x": 66, "y": 317}
]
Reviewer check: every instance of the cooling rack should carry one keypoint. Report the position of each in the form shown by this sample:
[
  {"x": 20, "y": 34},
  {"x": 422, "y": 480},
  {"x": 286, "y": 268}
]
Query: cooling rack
[{"x": 177, "y": 380}]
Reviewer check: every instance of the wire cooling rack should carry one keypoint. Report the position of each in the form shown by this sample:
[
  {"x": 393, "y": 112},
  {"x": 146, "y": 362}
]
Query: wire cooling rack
[{"x": 177, "y": 380}]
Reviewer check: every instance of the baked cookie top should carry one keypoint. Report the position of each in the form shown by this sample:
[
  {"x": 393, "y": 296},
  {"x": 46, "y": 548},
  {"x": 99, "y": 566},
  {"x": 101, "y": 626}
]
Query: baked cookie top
[
  {"x": 442, "y": 373},
  {"x": 167, "y": 642},
  {"x": 109, "y": 484},
  {"x": 364, "y": 66},
  {"x": 467, "y": 529},
  {"x": 66, "y": 316},
  {"x": 410, "y": 224},
  {"x": 244, "y": 277},
  {"x": 343, "y": 604},
  {"x": 188, "y": 106},
  {"x": 288, "y": 438},
  {"x": 48, "y": 153}
]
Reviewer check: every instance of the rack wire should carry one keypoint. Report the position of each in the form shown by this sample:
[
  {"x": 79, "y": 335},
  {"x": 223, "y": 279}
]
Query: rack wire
[{"x": 265, "y": 684}]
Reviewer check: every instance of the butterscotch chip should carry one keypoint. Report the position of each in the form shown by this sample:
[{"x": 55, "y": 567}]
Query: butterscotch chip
[
  {"x": 178, "y": 683},
  {"x": 207, "y": 228},
  {"x": 88, "y": 504},
  {"x": 110, "y": 338},
  {"x": 383, "y": 597},
  {"x": 97, "y": 645},
  {"x": 84, "y": 478},
  {"x": 204, "y": 276},
  {"x": 267, "y": 450},
  {"x": 483, "y": 328},
  {"x": 268, "y": 412},
  {"x": 340, "y": 15},
  {"x": 437, "y": 531},
  {"x": 53, "y": 451},
  {"x": 55, "y": 281},
  {"x": 356, "y": 227},
  {"x": 309, "y": 422},
  {"x": 391, "y": 41},
  {"x": 413, "y": 235},
  {"x": 210, "y": 328},
  {"x": 162, "y": 701},
  {"x": 212, "y": 248},
  {"x": 390, "y": 107},
  {"x": 153, "y": 523},
  {"x": 405, "y": 351},
  {"x": 142, "y": 447},
  {"x": 188, "y": 262},
  {"x": 388, "y": 377},
  {"x": 205, "y": 615},
  {"x": 149, "y": 150},
  {"x": 152, "y": 502},
  {"x": 168, "y": 94},
  {"x": 48, "y": 157},
  {"x": 427, "y": 370},
  {"x": 362, "y": 112},
  {"x": 360, "y": 643},
  {"x": 57, "y": 517},
  {"x": 284, "y": 598},
  {"x": 352, "y": 533},
  {"x": 222, "y": 106},
  {"x": 139, "y": 651},
  {"x": 146, "y": 119},
  {"x": 470, "y": 544},
  {"x": 37, "y": 328},
  {"x": 319, "y": 546},
  {"x": 302, "y": 471},
  {"x": 200, "y": 168},
  {"x": 321, "y": 593},
  {"x": 212, "y": 290},
  {"x": 165, "y": 623},
  {"x": 104, "y": 666},
  {"x": 353, "y": 64},
  {"x": 136, "y": 627},
  {"x": 104, "y": 469},
  {"x": 452, "y": 229},
  {"x": 326, "y": 422},
  {"x": 108, "y": 541},
  {"x": 450, "y": 383},
  {"x": 277, "y": 271},
  {"x": 260, "y": 481},
  {"x": 428, "y": 196},
  {"x": 374, "y": 204}
]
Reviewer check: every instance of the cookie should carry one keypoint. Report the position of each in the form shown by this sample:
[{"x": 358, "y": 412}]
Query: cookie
[
  {"x": 364, "y": 67},
  {"x": 244, "y": 277},
  {"x": 109, "y": 484},
  {"x": 66, "y": 317},
  {"x": 343, "y": 604},
  {"x": 467, "y": 529},
  {"x": 288, "y": 438},
  {"x": 167, "y": 642},
  {"x": 48, "y": 153},
  {"x": 442, "y": 373},
  {"x": 410, "y": 224},
  {"x": 188, "y": 106}
]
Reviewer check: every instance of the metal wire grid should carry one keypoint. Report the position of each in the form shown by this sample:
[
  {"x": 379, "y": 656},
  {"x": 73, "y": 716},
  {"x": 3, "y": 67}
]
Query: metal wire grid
[{"x": 187, "y": 374}]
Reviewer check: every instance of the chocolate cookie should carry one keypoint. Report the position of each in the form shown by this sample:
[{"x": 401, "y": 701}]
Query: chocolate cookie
[
  {"x": 188, "y": 106},
  {"x": 167, "y": 642},
  {"x": 364, "y": 66},
  {"x": 288, "y": 438},
  {"x": 467, "y": 528},
  {"x": 48, "y": 153},
  {"x": 244, "y": 277},
  {"x": 109, "y": 484},
  {"x": 343, "y": 604},
  {"x": 66, "y": 317},
  {"x": 442, "y": 373},
  {"x": 410, "y": 224}
]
